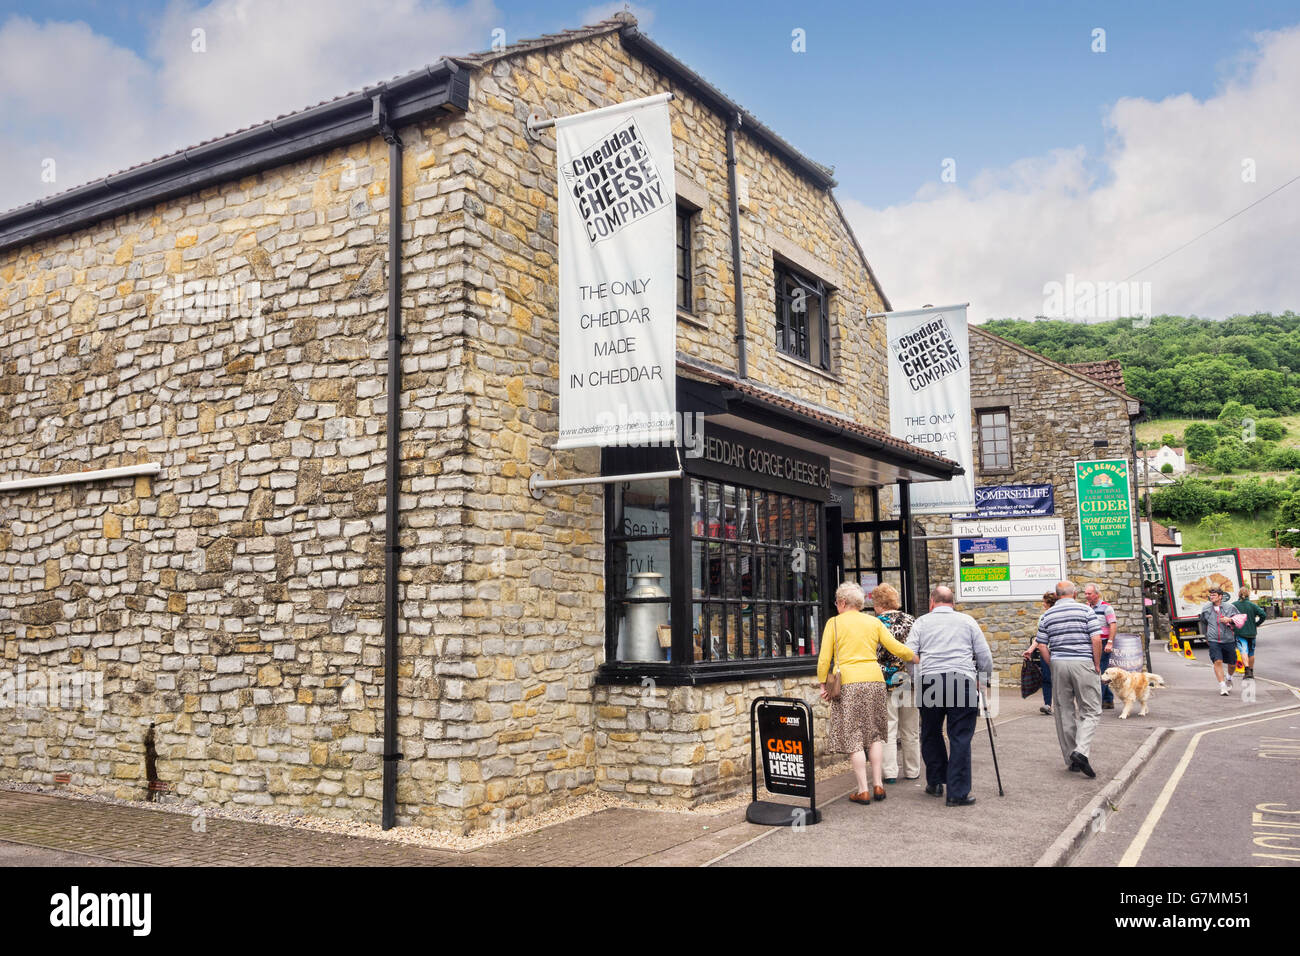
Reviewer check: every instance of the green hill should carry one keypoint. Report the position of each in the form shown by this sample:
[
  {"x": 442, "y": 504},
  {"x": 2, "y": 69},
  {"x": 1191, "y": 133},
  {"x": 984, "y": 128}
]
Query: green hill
[{"x": 1181, "y": 367}]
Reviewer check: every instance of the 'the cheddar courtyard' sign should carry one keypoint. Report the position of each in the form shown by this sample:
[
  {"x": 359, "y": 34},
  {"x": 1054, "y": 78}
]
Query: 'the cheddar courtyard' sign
[{"x": 618, "y": 317}]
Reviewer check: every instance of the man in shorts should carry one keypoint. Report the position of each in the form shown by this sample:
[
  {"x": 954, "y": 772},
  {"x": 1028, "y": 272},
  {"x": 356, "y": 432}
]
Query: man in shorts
[{"x": 1216, "y": 627}]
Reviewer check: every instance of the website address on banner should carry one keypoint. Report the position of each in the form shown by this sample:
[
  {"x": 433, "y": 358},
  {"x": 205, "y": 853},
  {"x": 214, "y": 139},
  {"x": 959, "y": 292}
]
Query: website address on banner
[{"x": 1203, "y": 923}]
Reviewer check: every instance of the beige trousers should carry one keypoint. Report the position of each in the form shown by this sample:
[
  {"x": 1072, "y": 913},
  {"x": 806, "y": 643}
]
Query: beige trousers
[{"x": 904, "y": 727}]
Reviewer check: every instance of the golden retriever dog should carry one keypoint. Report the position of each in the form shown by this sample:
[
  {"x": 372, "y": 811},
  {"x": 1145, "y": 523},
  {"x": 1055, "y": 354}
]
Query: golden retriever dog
[{"x": 1129, "y": 687}]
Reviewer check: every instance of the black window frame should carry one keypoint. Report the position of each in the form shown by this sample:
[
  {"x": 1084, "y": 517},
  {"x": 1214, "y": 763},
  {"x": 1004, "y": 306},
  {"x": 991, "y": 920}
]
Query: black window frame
[
  {"x": 683, "y": 669},
  {"x": 794, "y": 334},
  {"x": 985, "y": 467},
  {"x": 684, "y": 241}
]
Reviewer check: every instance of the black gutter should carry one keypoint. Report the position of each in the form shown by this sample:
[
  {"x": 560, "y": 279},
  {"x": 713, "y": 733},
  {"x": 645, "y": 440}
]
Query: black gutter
[
  {"x": 715, "y": 99},
  {"x": 393, "y": 463},
  {"x": 742, "y": 360},
  {"x": 438, "y": 88}
]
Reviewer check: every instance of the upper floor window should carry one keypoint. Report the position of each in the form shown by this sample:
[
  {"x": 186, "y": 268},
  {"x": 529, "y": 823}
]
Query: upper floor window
[
  {"x": 802, "y": 316},
  {"x": 994, "y": 439},
  {"x": 685, "y": 263}
]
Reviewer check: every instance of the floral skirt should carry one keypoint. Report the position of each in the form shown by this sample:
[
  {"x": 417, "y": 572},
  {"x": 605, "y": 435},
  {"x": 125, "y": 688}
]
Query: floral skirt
[{"x": 860, "y": 717}]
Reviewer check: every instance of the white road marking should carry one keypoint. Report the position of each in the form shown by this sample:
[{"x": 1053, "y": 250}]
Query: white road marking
[{"x": 1134, "y": 851}]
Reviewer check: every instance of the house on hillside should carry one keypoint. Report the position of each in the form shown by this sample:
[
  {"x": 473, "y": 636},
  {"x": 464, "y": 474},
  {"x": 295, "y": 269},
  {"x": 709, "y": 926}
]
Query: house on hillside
[
  {"x": 1271, "y": 573},
  {"x": 1156, "y": 459},
  {"x": 305, "y": 375}
]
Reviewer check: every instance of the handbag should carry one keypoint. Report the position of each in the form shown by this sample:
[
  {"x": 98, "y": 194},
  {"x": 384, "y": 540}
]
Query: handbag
[
  {"x": 833, "y": 682},
  {"x": 1031, "y": 677}
]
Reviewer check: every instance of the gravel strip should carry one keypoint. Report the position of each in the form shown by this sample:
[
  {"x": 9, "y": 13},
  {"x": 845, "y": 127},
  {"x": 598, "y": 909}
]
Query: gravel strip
[{"x": 411, "y": 836}]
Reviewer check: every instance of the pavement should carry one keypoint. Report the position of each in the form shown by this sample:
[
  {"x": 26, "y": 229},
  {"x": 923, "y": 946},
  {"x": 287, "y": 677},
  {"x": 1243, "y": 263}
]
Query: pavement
[{"x": 1048, "y": 816}]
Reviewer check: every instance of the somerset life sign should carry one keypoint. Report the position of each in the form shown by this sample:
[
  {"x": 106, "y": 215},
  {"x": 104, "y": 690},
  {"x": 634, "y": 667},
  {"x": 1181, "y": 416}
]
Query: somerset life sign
[
  {"x": 618, "y": 316},
  {"x": 1105, "y": 510}
]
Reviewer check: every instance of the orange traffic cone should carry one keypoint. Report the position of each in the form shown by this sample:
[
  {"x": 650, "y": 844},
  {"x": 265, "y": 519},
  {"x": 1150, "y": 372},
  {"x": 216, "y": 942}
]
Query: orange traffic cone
[
  {"x": 1187, "y": 651},
  {"x": 1241, "y": 664}
]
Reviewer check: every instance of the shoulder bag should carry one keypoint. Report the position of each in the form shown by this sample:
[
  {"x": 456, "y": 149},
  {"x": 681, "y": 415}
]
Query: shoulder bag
[{"x": 833, "y": 682}]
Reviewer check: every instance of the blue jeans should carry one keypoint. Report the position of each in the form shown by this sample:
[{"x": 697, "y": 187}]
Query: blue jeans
[
  {"x": 948, "y": 697},
  {"x": 1046, "y": 670},
  {"x": 1106, "y": 696}
]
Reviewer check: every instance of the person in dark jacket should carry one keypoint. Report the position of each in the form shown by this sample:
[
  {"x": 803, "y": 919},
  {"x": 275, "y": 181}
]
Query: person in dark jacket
[
  {"x": 1049, "y": 598},
  {"x": 1255, "y": 616}
]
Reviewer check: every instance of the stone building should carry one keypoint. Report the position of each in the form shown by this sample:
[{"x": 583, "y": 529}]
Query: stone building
[
  {"x": 290, "y": 597},
  {"x": 1032, "y": 419}
]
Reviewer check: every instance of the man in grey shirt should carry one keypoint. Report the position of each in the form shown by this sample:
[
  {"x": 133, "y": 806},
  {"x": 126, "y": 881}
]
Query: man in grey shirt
[
  {"x": 952, "y": 656},
  {"x": 1070, "y": 640},
  {"x": 1215, "y": 624}
]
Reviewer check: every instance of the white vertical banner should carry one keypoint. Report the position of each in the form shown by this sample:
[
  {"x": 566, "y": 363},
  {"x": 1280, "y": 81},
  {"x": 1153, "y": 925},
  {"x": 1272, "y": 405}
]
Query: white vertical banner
[
  {"x": 618, "y": 276},
  {"x": 929, "y": 399}
]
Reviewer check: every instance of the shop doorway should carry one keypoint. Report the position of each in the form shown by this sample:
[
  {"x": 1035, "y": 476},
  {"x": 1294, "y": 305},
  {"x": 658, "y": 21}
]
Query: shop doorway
[{"x": 871, "y": 553}]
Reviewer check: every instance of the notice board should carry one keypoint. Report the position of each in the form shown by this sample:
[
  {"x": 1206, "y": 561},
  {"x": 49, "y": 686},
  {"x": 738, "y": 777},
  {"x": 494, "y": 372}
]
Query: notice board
[{"x": 1007, "y": 559}]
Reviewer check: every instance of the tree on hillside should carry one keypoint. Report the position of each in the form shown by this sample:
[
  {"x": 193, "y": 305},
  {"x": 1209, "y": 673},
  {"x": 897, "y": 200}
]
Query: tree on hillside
[
  {"x": 1185, "y": 499},
  {"x": 1168, "y": 439},
  {"x": 1270, "y": 429},
  {"x": 1199, "y": 439},
  {"x": 1285, "y": 458},
  {"x": 1252, "y": 496},
  {"x": 1288, "y": 516},
  {"x": 1216, "y": 524}
]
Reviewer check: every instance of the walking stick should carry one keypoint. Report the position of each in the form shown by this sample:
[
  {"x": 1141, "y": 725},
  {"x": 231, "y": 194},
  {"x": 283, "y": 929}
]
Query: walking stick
[{"x": 989, "y": 720}]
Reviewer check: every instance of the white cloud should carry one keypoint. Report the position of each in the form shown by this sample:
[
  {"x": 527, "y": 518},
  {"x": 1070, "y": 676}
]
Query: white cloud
[
  {"x": 1171, "y": 170},
  {"x": 94, "y": 107}
]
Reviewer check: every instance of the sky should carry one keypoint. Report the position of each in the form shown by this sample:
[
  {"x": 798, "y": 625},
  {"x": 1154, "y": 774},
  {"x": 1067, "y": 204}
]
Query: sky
[{"x": 1017, "y": 156}]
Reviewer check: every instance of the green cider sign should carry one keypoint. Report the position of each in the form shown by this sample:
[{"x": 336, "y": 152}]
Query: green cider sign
[{"x": 1105, "y": 511}]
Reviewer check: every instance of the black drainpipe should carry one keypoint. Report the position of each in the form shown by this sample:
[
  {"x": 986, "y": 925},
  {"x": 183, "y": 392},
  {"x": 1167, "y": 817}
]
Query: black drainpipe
[
  {"x": 742, "y": 362},
  {"x": 392, "y": 550}
]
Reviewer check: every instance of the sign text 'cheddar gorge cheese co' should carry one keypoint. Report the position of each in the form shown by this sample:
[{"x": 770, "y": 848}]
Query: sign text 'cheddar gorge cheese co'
[{"x": 618, "y": 318}]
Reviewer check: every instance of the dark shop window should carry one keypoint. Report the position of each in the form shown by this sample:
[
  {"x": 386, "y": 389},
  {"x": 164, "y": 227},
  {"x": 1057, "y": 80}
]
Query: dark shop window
[
  {"x": 995, "y": 439},
  {"x": 685, "y": 264},
  {"x": 802, "y": 316},
  {"x": 755, "y": 565},
  {"x": 640, "y": 571}
]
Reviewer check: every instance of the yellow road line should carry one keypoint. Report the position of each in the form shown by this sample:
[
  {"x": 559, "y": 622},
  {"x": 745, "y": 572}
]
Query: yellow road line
[{"x": 1134, "y": 851}]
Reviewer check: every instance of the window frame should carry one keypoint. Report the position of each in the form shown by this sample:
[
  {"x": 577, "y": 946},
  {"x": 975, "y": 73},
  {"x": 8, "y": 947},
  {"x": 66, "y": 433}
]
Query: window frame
[
  {"x": 985, "y": 468},
  {"x": 685, "y": 215},
  {"x": 786, "y": 273},
  {"x": 683, "y": 669}
]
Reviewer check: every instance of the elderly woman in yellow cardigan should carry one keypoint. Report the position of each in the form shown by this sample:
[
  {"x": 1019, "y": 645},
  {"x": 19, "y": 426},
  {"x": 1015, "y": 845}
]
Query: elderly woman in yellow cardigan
[{"x": 860, "y": 716}]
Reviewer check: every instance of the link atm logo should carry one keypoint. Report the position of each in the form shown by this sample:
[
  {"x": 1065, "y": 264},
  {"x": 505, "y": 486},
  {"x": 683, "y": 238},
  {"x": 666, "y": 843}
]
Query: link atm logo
[{"x": 76, "y": 909}]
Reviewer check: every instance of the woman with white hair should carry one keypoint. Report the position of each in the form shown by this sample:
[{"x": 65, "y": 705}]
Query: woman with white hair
[{"x": 859, "y": 715}]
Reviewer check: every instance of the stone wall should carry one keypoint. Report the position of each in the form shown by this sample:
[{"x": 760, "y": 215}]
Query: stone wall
[
  {"x": 539, "y": 567},
  {"x": 1056, "y": 414},
  {"x": 233, "y": 604},
  {"x": 682, "y": 746}
]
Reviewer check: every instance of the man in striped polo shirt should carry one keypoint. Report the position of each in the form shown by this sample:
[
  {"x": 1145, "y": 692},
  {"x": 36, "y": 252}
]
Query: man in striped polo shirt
[{"x": 1070, "y": 640}]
